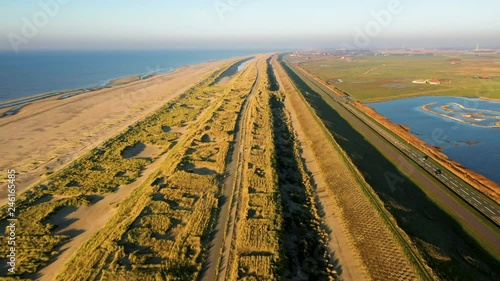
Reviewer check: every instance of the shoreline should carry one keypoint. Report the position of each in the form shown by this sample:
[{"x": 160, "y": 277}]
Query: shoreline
[
  {"x": 475, "y": 179},
  {"x": 108, "y": 83},
  {"x": 410, "y": 96},
  {"x": 68, "y": 93},
  {"x": 426, "y": 108},
  {"x": 51, "y": 133},
  {"x": 11, "y": 107}
]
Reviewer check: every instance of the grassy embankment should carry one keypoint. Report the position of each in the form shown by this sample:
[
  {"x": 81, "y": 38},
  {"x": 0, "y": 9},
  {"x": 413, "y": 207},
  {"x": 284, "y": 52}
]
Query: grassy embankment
[
  {"x": 97, "y": 173},
  {"x": 383, "y": 254},
  {"x": 373, "y": 79},
  {"x": 257, "y": 239},
  {"x": 278, "y": 232},
  {"x": 444, "y": 244},
  {"x": 162, "y": 230},
  {"x": 487, "y": 187},
  {"x": 480, "y": 183},
  {"x": 486, "y": 87}
]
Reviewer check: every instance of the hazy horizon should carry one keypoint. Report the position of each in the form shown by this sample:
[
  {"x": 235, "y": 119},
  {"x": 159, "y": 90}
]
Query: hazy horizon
[{"x": 245, "y": 24}]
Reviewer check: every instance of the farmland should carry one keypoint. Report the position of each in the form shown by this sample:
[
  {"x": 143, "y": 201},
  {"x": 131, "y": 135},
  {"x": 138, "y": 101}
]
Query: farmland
[
  {"x": 440, "y": 239},
  {"x": 378, "y": 78},
  {"x": 250, "y": 175}
]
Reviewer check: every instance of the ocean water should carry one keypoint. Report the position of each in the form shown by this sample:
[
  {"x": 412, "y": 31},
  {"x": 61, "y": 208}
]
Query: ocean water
[
  {"x": 30, "y": 73},
  {"x": 477, "y": 148}
]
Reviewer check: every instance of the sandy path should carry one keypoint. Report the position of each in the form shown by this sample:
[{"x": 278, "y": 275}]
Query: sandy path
[
  {"x": 47, "y": 134},
  {"x": 89, "y": 219},
  {"x": 348, "y": 260},
  {"x": 216, "y": 264},
  {"x": 340, "y": 247},
  {"x": 237, "y": 168}
]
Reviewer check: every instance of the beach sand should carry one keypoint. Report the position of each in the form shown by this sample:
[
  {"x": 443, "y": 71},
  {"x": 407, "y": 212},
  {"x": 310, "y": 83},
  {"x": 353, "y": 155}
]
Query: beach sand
[{"x": 47, "y": 134}]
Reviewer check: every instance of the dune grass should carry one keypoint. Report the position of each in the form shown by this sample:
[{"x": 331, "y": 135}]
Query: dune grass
[
  {"x": 259, "y": 210},
  {"x": 165, "y": 232},
  {"x": 99, "y": 172}
]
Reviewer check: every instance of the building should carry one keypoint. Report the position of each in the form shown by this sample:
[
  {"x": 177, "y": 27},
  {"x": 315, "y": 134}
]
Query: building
[
  {"x": 434, "y": 82},
  {"x": 419, "y": 81}
]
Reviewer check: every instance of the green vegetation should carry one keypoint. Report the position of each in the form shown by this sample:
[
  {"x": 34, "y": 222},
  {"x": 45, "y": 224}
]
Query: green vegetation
[
  {"x": 446, "y": 247},
  {"x": 306, "y": 241},
  {"x": 377, "y": 78},
  {"x": 99, "y": 172},
  {"x": 162, "y": 231},
  {"x": 273, "y": 83}
]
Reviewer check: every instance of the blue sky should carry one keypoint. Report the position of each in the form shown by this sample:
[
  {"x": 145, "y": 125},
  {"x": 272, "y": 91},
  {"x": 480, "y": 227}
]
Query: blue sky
[{"x": 229, "y": 24}]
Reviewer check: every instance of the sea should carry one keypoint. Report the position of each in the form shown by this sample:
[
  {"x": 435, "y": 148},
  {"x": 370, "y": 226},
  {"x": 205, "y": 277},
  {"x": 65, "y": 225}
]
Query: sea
[{"x": 29, "y": 73}]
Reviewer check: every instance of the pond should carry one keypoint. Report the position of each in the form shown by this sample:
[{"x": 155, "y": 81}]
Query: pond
[{"x": 466, "y": 129}]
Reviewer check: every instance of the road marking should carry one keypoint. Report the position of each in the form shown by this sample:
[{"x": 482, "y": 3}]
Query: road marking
[
  {"x": 411, "y": 153},
  {"x": 489, "y": 210}
]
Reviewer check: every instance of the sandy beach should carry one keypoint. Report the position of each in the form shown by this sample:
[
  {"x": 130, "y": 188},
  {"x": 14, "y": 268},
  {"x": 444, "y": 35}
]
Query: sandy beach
[{"x": 46, "y": 134}]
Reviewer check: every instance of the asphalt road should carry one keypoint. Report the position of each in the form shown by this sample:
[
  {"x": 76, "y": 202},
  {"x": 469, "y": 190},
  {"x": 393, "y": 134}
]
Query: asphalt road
[{"x": 390, "y": 146}]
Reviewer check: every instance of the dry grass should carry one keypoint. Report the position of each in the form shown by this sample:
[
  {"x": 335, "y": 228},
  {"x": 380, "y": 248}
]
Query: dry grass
[
  {"x": 378, "y": 248},
  {"x": 51, "y": 133},
  {"x": 166, "y": 231},
  {"x": 100, "y": 171},
  {"x": 256, "y": 247},
  {"x": 278, "y": 234}
]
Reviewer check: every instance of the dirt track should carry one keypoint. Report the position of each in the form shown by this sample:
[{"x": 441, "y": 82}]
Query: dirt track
[
  {"x": 87, "y": 220},
  {"x": 47, "y": 134},
  {"x": 340, "y": 246},
  {"x": 216, "y": 263}
]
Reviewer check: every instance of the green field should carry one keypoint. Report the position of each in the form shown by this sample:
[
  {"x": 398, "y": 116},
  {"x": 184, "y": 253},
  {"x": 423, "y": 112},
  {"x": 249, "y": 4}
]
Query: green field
[
  {"x": 377, "y": 78},
  {"x": 447, "y": 248}
]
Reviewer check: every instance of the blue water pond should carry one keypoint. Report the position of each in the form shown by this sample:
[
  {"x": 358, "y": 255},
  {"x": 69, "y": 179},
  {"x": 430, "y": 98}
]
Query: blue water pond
[{"x": 466, "y": 129}]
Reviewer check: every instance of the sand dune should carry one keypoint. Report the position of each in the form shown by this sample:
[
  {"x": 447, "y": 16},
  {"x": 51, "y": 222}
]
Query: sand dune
[{"x": 47, "y": 134}]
